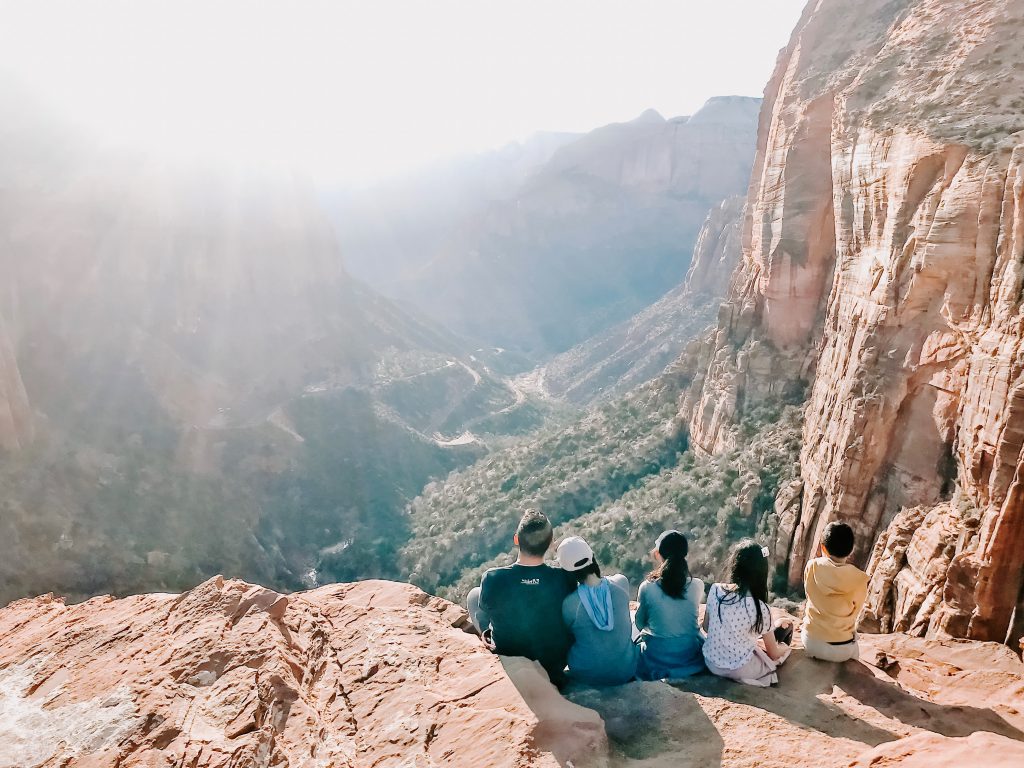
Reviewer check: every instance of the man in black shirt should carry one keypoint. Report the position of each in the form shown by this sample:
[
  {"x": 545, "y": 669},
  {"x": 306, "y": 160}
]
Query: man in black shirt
[{"x": 519, "y": 607}]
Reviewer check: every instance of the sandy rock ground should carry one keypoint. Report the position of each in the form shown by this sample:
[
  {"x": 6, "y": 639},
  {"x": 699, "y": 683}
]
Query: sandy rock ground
[
  {"x": 381, "y": 675},
  {"x": 909, "y": 702}
]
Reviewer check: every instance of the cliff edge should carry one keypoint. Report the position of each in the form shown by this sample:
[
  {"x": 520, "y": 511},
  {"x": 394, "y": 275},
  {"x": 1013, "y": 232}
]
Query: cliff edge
[
  {"x": 380, "y": 674},
  {"x": 228, "y": 674}
]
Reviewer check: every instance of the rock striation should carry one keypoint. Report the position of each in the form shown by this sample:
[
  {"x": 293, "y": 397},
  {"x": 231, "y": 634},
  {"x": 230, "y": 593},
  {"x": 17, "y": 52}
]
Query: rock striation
[
  {"x": 228, "y": 674},
  {"x": 881, "y": 274}
]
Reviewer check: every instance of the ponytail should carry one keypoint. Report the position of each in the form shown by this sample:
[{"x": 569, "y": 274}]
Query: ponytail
[{"x": 673, "y": 575}]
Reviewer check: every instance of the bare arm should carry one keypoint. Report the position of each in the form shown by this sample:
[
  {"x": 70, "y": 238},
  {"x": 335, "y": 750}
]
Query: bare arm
[
  {"x": 641, "y": 610},
  {"x": 772, "y": 647},
  {"x": 776, "y": 650},
  {"x": 707, "y": 609}
]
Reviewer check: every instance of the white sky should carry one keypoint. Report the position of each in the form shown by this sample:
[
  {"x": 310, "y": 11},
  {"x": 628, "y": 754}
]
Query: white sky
[{"x": 361, "y": 90}]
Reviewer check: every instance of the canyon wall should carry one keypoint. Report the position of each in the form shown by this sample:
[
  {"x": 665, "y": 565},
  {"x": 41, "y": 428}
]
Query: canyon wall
[
  {"x": 182, "y": 351},
  {"x": 881, "y": 273},
  {"x": 617, "y": 360}
]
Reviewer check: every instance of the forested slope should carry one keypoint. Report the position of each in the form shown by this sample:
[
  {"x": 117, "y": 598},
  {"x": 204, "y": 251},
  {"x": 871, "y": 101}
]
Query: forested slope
[{"x": 618, "y": 476}]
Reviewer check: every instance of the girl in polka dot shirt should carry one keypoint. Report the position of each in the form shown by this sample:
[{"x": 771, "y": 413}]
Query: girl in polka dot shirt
[{"x": 742, "y": 644}]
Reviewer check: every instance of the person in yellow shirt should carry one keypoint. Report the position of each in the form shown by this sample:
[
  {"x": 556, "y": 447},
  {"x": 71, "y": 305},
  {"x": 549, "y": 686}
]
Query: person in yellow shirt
[{"x": 836, "y": 591}]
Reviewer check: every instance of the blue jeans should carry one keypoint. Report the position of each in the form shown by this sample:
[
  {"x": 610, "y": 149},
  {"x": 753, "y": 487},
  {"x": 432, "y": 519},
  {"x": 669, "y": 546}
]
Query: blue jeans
[{"x": 477, "y": 615}]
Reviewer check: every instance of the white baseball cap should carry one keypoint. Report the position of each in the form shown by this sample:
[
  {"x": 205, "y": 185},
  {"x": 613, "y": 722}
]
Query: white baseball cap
[{"x": 574, "y": 553}]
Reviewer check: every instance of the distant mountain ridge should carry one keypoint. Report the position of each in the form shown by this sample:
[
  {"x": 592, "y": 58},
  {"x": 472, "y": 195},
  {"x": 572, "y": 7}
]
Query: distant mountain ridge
[
  {"x": 385, "y": 230},
  {"x": 652, "y": 151},
  {"x": 596, "y": 232}
]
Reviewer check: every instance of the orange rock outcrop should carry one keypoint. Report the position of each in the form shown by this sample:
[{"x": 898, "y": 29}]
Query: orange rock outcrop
[
  {"x": 378, "y": 674},
  {"x": 372, "y": 673},
  {"x": 881, "y": 271}
]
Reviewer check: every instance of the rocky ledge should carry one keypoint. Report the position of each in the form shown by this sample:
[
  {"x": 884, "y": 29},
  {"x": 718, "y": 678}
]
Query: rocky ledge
[
  {"x": 365, "y": 674},
  {"x": 378, "y": 674}
]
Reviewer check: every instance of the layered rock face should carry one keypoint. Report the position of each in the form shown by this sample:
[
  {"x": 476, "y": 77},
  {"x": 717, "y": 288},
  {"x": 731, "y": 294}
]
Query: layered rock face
[
  {"x": 374, "y": 673},
  {"x": 882, "y": 269},
  {"x": 718, "y": 249}
]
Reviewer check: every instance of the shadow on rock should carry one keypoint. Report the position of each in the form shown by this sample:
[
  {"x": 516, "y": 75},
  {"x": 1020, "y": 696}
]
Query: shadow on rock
[
  {"x": 851, "y": 701},
  {"x": 650, "y": 720},
  {"x": 905, "y": 692},
  {"x": 571, "y": 732}
]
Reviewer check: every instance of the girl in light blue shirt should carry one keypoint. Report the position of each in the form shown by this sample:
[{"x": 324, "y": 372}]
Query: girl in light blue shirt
[{"x": 671, "y": 640}]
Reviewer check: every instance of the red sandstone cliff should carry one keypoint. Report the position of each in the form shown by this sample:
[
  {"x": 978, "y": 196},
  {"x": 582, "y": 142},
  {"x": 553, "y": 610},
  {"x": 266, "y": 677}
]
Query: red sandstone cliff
[{"x": 882, "y": 268}]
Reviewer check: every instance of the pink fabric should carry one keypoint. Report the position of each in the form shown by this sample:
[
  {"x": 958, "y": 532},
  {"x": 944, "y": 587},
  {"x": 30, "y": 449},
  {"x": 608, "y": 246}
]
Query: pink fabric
[{"x": 759, "y": 671}]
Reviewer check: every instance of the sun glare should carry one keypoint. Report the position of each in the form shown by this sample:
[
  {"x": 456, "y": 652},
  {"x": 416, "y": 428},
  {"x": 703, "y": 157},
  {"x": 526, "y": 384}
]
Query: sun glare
[
  {"x": 202, "y": 80},
  {"x": 361, "y": 90}
]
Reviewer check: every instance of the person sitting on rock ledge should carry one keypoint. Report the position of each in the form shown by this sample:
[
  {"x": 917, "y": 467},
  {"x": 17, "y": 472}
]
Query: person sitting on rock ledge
[
  {"x": 836, "y": 591},
  {"x": 742, "y": 644},
  {"x": 518, "y": 608},
  {"x": 597, "y": 616},
  {"x": 669, "y": 603}
]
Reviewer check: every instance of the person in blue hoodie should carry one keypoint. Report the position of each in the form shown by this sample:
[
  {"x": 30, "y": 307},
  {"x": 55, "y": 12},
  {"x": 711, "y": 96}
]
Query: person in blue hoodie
[{"x": 597, "y": 616}]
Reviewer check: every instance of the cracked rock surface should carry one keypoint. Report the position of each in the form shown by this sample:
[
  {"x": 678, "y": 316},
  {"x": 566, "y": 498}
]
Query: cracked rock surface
[{"x": 229, "y": 675}]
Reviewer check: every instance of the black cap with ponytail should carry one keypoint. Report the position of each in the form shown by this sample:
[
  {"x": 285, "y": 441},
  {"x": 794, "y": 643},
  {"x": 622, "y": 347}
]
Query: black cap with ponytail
[{"x": 673, "y": 575}]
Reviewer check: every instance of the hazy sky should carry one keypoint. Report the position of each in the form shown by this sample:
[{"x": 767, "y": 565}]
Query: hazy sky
[{"x": 361, "y": 90}]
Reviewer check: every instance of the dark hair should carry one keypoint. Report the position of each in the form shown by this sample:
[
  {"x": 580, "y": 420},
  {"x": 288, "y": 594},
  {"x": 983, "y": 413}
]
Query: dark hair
[
  {"x": 534, "y": 533},
  {"x": 748, "y": 570},
  {"x": 582, "y": 573},
  {"x": 838, "y": 539},
  {"x": 673, "y": 575}
]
